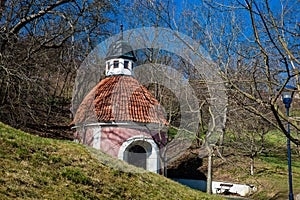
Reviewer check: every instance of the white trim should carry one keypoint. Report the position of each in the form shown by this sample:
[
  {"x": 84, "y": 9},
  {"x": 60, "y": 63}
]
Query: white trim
[
  {"x": 148, "y": 126},
  {"x": 153, "y": 153},
  {"x": 102, "y": 124},
  {"x": 97, "y": 137}
]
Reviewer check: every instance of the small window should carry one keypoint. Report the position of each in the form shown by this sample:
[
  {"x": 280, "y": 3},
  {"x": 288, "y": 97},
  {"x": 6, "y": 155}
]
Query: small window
[
  {"x": 116, "y": 64},
  {"x": 126, "y": 64}
]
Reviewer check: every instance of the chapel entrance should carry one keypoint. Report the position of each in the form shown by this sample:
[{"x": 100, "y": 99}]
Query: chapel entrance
[{"x": 137, "y": 156}]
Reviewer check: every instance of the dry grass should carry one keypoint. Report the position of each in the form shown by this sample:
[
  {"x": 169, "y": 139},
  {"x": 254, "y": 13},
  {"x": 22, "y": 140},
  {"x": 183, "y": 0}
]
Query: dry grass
[{"x": 32, "y": 167}]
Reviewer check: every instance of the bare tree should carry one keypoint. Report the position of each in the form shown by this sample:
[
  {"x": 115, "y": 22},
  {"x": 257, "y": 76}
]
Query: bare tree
[
  {"x": 255, "y": 46},
  {"x": 41, "y": 45},
  {"x": 247, "y": 134}
]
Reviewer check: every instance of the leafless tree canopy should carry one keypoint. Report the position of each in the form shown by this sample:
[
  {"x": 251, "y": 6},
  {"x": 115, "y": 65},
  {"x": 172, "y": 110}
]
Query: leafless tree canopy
[
  {"x": 255, "y": 45},
  {"x": 41, "y": 45}
]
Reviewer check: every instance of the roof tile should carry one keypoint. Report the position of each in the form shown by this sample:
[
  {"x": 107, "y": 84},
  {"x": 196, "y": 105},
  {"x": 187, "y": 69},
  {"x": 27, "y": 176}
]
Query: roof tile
[{"x": 120, "y": 99}]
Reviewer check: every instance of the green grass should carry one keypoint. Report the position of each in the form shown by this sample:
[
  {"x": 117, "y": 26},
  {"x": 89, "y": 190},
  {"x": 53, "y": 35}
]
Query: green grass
[
  {"x": 276, "y": 172},
  {"x": 270, "y": 177},
  {"x": 32, "y": 167},
  {"x": 271, "y": 169}
]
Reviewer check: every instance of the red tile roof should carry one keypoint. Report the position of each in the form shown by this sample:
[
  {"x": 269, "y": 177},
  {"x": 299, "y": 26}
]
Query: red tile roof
[{"x": 120, "y": 99}]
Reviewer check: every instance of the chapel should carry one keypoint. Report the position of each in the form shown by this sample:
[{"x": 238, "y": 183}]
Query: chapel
[{"x": 120, "y": 116}]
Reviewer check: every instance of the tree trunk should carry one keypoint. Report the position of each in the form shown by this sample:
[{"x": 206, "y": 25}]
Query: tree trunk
[
  {"x": 209, "y": 174},
  {"x": 252, "y": 166},
  {"x": 221, "y": 142}
]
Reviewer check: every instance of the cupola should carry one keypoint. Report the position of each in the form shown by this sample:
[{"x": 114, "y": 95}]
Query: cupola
[{"x": 119, "y": 58}]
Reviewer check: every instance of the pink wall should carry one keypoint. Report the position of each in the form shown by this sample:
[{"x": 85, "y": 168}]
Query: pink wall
[
  {"x": 113, "y": 137},
  {"x": 87, "y": 139}
]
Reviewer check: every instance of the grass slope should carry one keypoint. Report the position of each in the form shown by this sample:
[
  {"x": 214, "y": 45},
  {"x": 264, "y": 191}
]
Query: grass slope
[
  {"x": 270, "y": 173},
  {"x": 32, "y": 167}
]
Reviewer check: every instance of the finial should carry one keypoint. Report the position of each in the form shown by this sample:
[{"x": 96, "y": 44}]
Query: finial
[{"x": 121, "y": 31}]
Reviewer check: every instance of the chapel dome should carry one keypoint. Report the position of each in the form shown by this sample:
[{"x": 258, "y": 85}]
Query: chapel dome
[{"x": 120, "y": 99}]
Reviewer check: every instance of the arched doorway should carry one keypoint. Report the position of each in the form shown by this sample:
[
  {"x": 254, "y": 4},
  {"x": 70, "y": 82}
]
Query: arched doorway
[
  {"x": 148, "y": 156},
  {"x": 137, "y": 156}
]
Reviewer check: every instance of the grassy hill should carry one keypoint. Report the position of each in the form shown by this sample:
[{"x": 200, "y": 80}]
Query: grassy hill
[
  {"x": 32, "y": 167},
  {"x": 270, "y": 173}
]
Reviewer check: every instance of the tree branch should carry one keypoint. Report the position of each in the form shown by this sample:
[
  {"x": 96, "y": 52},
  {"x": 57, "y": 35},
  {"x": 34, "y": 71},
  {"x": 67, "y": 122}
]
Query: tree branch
[{"x": 31, "y": 17}]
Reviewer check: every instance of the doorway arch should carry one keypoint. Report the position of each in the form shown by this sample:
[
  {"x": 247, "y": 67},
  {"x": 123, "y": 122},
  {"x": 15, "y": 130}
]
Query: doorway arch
[{"x": 151, "y": 155}]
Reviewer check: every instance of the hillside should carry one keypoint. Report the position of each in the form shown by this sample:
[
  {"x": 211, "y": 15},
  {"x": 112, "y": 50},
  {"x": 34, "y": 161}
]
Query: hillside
[
  {"x": 32, "y": 167},
  {"x": 270, "y": 168}
]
